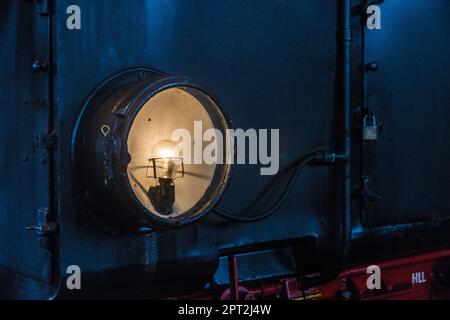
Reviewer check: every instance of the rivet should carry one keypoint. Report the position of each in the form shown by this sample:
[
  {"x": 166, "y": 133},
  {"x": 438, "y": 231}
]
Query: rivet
[{"x": 142, "y": 75}]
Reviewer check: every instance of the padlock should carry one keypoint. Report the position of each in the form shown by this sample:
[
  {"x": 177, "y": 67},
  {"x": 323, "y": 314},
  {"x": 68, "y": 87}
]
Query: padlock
[{"x": 370, "y": 131}]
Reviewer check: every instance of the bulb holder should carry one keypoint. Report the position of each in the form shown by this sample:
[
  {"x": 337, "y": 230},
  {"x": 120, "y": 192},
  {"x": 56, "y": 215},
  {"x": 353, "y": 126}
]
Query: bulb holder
[{"x": 162, "y": 196}]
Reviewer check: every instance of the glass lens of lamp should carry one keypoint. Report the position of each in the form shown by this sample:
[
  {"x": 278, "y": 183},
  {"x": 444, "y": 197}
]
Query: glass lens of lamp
[{"x": 150, "y": 137}]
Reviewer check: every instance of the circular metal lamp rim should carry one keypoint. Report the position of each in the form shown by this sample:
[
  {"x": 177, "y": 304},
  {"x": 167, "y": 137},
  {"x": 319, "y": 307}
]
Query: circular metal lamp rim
[{"x": 155, "y": 83}]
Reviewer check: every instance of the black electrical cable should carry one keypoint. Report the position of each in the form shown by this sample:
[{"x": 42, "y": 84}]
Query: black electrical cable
[{"x": 298, "y": 165}]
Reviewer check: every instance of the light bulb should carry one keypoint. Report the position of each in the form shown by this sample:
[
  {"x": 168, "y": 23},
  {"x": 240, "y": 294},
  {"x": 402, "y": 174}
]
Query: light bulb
[
  {"x": 167, "y": 165},
  {"x": 164, "y": 149},
  {"x": 166, "y": 153}
]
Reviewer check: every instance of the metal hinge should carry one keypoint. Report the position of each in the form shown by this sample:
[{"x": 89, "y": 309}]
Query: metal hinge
[
  {"x": 369, "y": 194},
  {"x": 43, "y": 227},
  {"x": 45, "y": 141}
]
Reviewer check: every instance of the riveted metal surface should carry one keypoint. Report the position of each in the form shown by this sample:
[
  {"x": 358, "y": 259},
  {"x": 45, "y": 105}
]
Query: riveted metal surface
[
  {"x": 25, "y": 109},
  {"x": 254, "y": 62}
]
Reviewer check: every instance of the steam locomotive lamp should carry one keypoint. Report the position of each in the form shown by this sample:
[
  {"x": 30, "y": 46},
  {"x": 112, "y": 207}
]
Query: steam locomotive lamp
[{"x": 225, "y": 149}]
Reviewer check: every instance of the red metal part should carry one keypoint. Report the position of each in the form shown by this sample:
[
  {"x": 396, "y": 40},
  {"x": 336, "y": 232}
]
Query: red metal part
[
  {"x": 405, "y": 278},
  {"x": 234, "y": 278},
  {"x": 426, "y": 257},
  {"x": 409, "y": 278}
]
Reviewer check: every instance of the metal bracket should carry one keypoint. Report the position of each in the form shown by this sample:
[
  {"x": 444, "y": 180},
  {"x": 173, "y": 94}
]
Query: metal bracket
[
  {"x": 43, "y": 228},
  {"x": 109, "y": 148},
  {"x": 369, "y": 194},
  {"x": 45, "y": 141}
]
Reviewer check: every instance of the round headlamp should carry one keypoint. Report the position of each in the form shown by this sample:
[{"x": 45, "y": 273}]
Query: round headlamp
[{"x": 133, "y": 151}]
